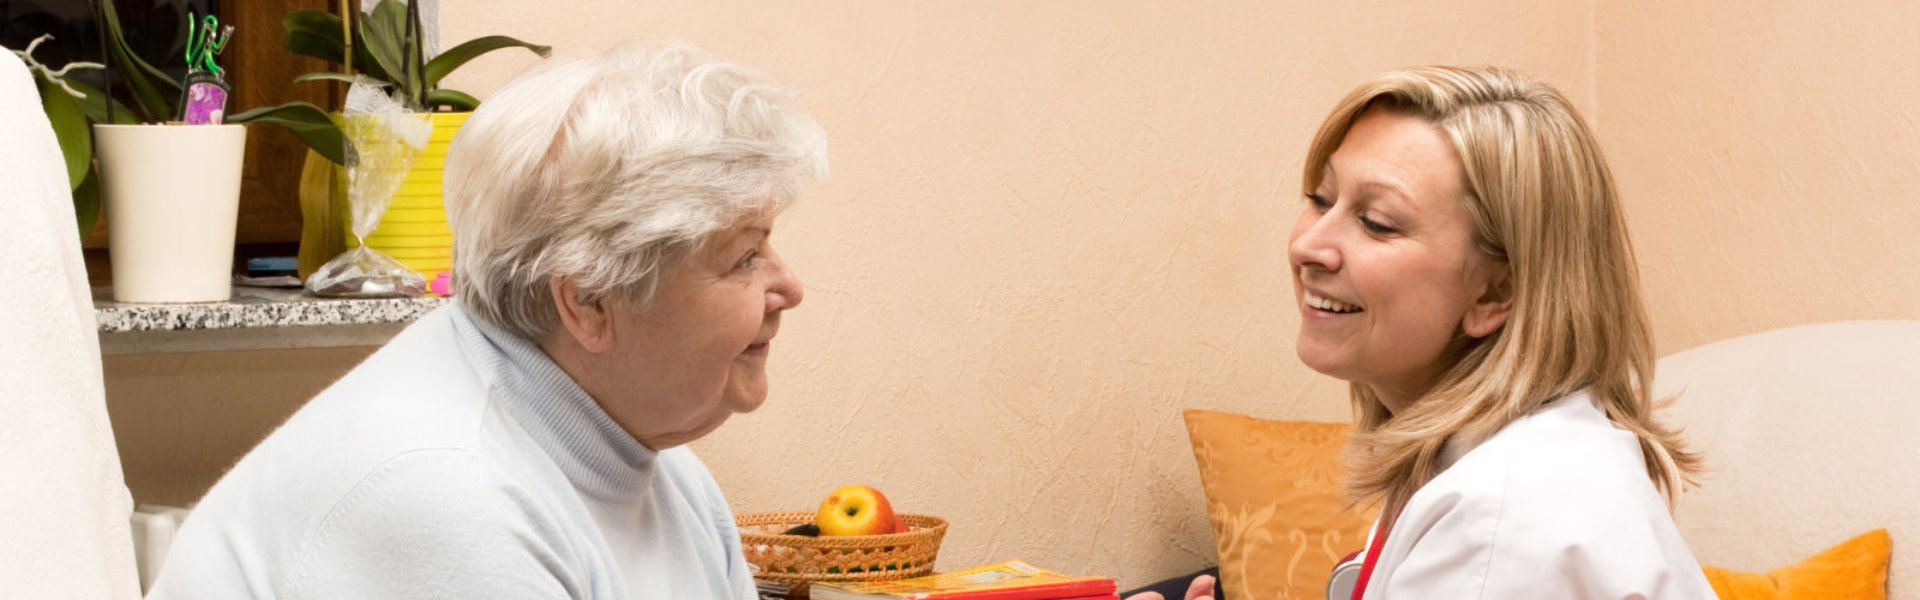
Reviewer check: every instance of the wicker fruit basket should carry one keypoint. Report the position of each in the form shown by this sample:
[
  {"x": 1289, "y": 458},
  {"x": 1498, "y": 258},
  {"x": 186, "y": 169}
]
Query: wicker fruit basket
[{"x": 801, "y": 560}]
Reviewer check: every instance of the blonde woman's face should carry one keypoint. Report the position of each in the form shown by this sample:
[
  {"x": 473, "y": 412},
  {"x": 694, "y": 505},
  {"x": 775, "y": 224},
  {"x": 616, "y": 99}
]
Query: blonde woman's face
[{"x": 1385, "y": 272}]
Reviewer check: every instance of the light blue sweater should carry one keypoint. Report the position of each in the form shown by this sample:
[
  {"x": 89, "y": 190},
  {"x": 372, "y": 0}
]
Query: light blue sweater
[{"x": 458, "y": 462}]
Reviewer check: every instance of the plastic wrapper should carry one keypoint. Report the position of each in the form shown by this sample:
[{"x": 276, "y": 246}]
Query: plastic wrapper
[
  {"x": 365, "y": 273},
  {"x": 385, "y": 139}
]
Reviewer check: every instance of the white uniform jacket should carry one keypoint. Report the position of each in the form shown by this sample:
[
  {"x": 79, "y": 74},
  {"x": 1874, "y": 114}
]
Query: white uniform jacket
[{"x": 1556, "y": 505}]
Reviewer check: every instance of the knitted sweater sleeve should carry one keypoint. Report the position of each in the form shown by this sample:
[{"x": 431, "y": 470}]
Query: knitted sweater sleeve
[{"x": 435, "y": 524}]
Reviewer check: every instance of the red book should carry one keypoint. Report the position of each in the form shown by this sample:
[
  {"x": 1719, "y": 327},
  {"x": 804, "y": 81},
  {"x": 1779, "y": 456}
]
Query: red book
[{"x": 1011, "y": 580}]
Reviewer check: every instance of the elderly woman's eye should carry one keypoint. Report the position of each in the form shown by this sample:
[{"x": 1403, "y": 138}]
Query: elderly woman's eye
[{"x": 746, "y": 262}]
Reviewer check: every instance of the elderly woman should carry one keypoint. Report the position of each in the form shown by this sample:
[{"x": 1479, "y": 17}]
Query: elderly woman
[
  {"x": 1462, "y": 260},
  {"x": 617, "y": 296}
]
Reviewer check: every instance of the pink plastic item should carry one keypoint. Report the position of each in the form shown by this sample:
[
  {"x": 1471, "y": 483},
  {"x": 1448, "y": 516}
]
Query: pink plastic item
[{"x": 442, "y": 284}]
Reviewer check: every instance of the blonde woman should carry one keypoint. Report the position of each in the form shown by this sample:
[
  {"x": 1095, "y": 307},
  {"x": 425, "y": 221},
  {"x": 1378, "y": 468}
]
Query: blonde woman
[{"x": 1462, "y": 260}]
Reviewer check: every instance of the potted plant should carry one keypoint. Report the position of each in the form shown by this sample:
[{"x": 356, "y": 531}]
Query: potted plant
[
  {"x": 385, "y": 46},
  {"x": 173, "y": 190},
  {"x": 72, "y": 106}
]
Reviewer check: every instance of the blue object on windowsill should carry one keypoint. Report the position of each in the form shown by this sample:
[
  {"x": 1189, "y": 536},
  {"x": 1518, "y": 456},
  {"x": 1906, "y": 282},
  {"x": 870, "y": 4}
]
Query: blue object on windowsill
[{"x": 271, "y": 266}]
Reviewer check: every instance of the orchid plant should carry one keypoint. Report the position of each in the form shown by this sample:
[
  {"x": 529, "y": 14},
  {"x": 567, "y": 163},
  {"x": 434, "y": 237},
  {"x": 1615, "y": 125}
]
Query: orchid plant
[
  {"x": 73, "y": 106},
  {"x": 388, "y": 45}
]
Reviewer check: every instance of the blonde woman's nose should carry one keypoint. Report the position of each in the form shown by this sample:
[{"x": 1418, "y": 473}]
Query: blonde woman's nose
[{"x": 1311, "y": 244}]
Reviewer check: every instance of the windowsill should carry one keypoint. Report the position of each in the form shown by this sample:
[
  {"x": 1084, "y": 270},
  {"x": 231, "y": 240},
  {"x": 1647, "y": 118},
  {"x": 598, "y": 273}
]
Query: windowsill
[{"x": 254, "y": 319}]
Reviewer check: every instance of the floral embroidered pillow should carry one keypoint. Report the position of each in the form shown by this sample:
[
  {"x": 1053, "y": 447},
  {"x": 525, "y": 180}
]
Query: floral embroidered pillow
[{"x": 1275, "y": 498}]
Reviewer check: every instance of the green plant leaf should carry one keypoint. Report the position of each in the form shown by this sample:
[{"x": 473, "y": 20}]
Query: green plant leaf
[
  {"x": 315, "y": 34},
  {"x": 416, "y": 58},
  {"x": 363, "y": 61},
  {"x": 324, "y": 76},
  {"x": 307, "y": 122},
  {"x": 153, "y": 89},
  {"x": 453, "y": 58},
  {"x": 453, "y": 99},
  {"x": 86, "y": 202},
  {"x": 384, "y": 34},
  {"x": 69, "y": 128},
  {"x": 94, "y": 105}
]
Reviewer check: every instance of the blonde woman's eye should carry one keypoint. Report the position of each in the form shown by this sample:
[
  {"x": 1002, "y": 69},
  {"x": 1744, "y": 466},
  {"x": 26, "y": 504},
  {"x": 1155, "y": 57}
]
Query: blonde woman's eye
[
  {"x": 1319, "y": 202},
  {"x": 1375, "y": 227}
]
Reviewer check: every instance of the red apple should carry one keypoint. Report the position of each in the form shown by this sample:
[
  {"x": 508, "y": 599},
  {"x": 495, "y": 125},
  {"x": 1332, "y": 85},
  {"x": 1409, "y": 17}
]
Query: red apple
[{"x": 855, "y": 510}]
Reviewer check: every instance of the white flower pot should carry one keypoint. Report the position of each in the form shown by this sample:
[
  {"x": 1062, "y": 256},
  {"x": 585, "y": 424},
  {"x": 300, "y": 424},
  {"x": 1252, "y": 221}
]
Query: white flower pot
[{"x": 172, "y": 199}]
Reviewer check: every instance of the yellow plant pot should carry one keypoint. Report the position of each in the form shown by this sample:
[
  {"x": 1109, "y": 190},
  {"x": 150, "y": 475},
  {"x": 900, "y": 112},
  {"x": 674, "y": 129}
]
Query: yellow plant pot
[
  {"x": 416, "y": 220},
  {"x": 405, "y": 252},
  {"x": 409, "y": 215},
  {"x": 412, "y": 241},
  {"x": 395, "y": 230}
]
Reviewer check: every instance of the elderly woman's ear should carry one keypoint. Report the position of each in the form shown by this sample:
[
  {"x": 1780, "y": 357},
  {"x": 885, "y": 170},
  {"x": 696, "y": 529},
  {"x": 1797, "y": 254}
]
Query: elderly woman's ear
[{"x": 586, "y": 321}]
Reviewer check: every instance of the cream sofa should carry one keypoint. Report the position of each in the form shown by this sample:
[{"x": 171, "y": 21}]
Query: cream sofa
[{"x": 1812, "y": 435}]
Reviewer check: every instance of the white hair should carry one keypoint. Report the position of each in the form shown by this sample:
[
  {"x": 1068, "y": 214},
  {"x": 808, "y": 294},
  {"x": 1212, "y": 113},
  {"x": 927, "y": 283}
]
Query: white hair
[{"x": 612, "y": 170}]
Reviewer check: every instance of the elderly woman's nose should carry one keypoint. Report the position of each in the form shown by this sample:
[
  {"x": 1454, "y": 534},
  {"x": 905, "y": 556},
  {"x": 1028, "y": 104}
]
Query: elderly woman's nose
[{"x": 786, "y": 291}]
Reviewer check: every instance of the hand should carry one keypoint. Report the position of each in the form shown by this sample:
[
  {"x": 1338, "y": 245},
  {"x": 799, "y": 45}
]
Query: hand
[{"x": 1200, "y": 589}]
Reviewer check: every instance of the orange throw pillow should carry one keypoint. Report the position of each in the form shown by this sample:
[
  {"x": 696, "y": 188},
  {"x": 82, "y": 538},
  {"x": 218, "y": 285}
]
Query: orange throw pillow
[
  {"x": 1856, "y": 568},
  {"x": 1274, "y": 497}
]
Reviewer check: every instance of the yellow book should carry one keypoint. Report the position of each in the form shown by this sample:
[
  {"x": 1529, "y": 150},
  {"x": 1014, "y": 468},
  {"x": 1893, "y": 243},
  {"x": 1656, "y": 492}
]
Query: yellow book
[{"x": 1011, "y": 580}]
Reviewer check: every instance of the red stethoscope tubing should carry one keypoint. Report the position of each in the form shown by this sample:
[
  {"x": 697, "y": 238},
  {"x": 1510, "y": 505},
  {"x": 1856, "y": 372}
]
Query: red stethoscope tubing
[{"x": 1366, "y": 568}]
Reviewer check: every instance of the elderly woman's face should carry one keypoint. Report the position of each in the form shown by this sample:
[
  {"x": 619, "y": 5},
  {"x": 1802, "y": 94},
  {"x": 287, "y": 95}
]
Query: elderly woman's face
[
  {"x": 698, "y": 353},
  {"x": 1385, "y": 271}
]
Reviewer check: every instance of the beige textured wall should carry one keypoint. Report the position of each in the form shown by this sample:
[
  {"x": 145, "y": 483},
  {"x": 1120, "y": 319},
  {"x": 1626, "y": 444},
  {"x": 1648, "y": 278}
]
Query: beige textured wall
[
  {"x": 1768, "y": 153},
  {"x": 1050, "y": 227}
]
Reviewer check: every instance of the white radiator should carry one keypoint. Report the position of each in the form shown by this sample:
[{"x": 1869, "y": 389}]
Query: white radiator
[{"x": 153, "y": 529}]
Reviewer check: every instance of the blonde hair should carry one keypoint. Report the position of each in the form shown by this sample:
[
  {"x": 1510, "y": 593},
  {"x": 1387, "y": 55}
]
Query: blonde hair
[
  {"x": 1541, "y": 201},
  {"x": 613, "y": 169}
]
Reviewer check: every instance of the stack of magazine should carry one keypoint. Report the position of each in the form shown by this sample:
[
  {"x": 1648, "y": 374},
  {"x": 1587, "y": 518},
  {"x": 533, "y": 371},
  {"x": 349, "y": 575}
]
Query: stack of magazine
[
  {"x": 773, "y": 590},
  {"x": 1011, "y": 580}
]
